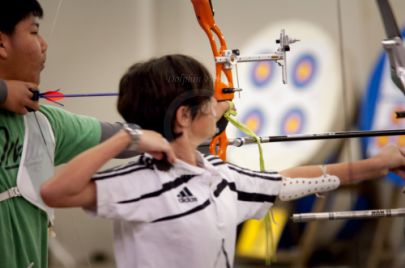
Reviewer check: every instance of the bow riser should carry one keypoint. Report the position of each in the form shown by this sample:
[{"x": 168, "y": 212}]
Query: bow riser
[
  {"x": 205, "y": 16},
  {"x": 223, "y": 90}
]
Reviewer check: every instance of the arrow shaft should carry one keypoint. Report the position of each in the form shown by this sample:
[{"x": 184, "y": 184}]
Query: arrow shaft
[
  {"x": 238, "y": 142},
  {"x": 347, "y": 215},
  {"x": 321, "y": 136},
  {"x": 79, "y": 95}
]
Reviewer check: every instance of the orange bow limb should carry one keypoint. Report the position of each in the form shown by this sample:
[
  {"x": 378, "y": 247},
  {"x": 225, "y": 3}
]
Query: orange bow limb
[{"x": 224, "y": 90}]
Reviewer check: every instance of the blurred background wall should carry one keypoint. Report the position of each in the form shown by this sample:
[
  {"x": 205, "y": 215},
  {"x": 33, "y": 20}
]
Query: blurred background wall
[{"x": 93, "y": 42}]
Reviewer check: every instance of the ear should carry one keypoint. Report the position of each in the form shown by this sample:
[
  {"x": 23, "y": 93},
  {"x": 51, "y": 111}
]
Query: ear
[{"x": 183, "y": 117}]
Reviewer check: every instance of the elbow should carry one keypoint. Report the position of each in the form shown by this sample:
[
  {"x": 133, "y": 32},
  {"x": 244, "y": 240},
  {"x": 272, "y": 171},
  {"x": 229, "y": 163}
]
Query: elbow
[{"x": 48, "y": 195}]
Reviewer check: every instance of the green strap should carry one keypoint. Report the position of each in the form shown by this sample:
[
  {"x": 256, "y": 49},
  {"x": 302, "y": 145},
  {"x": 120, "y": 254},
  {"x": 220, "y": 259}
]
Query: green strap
[{"x": 230, "y": 116}]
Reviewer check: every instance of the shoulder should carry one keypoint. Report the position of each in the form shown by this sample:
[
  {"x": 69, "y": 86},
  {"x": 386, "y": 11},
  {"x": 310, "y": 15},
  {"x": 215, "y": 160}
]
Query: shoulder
[
  {"x": 61, "y": 119},
  {"x": 237, "y": 170},
  {"x": 140, "y": 166},
  {"x": 53, "y": 112},
  {"x": 222, "y": 167}
]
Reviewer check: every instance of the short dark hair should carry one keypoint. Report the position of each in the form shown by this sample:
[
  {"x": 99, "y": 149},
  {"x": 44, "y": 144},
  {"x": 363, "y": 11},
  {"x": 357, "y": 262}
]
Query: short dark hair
[
  {"x": 14, "y": 11},
  {"x": 148, "y": 90}
]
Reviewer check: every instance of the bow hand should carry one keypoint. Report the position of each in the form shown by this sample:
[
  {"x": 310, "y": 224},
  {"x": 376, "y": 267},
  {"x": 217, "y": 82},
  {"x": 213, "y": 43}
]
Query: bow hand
[{"x": 19, "y": 97}]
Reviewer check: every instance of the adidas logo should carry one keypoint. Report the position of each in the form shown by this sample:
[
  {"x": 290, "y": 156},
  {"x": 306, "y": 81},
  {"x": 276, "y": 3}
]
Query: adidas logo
[{"x": 185, "y": 196}]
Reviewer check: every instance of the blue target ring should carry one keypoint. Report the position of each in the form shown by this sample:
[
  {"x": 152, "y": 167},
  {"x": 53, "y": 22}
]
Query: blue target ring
[
  {"x": 262, "y": 73},
  {"x": 304, "y": 70},
  {"x": 254, "y": 119},
  {"x": 293, "y": 122}
]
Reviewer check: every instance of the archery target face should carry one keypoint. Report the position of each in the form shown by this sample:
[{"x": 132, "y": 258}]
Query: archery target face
[
  {"x": 309, "y": 103},
  {"x": 382, "y": 100}
]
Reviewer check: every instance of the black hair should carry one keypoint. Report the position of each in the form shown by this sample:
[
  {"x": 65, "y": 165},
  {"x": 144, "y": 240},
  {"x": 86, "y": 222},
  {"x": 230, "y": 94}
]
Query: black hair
[
  {"x": 14, "y": 11},
  {"x": 150, "y": 92}
]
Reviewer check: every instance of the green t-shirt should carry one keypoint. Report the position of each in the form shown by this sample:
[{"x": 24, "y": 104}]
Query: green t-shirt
[{"x": 23, "y": 226}]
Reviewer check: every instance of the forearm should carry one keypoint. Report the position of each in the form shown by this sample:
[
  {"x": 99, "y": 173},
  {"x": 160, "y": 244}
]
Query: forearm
[
  {"x": 75, "y": 176},
  {"x": 347, "y": 172}
]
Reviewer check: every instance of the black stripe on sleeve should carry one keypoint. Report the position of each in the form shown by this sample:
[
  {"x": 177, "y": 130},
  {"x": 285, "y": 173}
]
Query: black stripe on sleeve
[
  {"x": 119, "y": 168},
  {"x": 256, "y": 197},
  {"x": 191, "y": 211},
  {"x": 119, "y": 173},
  {"x": 165, "y": 187},
  {"x": 243, "y": 196},
  {"x": 249, "y": 170},
  {"x": 221, "y": 186},
  {"x": 256, "y": 174},
  {"x": 218, "y": 163},
  {"x": 214, "y": 160},
  {"x": 210, "y": 157}
]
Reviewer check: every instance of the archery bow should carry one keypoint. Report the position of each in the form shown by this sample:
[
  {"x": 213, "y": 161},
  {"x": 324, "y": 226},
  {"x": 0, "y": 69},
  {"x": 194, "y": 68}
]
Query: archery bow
[{"x": 225, "y": 60}]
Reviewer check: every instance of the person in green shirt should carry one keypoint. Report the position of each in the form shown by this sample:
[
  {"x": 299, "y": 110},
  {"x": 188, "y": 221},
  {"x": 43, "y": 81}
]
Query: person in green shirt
[{"x": 31, "y": 143}]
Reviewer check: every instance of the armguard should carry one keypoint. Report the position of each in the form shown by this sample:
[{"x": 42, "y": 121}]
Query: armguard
[
  {"x": 107, "y": 131},
  {"x": 294, "y": 188},
  {"x": 3, "y": 91}
]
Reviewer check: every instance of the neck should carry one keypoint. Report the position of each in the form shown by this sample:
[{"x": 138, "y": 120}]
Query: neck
[{"x": 185, "y": 151}]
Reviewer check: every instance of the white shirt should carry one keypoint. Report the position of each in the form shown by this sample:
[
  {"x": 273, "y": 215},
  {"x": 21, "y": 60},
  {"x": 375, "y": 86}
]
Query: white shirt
[{"x": 185, "y": 217}]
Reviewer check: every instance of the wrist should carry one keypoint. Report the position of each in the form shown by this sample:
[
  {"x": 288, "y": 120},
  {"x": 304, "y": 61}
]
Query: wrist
[
  {"x": 134, "y": 132},
  {"x": 381, "y": 165}
]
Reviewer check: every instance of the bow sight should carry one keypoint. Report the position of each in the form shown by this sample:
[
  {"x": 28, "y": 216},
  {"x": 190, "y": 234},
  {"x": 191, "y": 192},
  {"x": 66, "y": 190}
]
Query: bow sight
[{"x": 232, "y": 57}]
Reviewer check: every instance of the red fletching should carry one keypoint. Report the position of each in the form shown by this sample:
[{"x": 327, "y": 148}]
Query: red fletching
[{"x": 53, "y": 95}]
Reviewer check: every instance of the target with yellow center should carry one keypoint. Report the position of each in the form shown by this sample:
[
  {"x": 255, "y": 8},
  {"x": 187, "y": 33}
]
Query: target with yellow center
[
  {"x": 262, "y": 73},
  {"x": 293, "y": 122},
  {"x": 304, "y": 70},
  {"x": 307, "y": 104},
  {"x": 254, "y": 120}
]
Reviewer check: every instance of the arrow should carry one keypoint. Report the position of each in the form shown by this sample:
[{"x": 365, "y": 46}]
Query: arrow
[
  {"x": 56, "y": 95},
  {"x": 348, "y": 215},
  {"x": 238, "y": 142}
]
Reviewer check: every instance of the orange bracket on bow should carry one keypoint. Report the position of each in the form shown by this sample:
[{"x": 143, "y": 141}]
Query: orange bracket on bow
[{"x": 224, "y": 90}]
